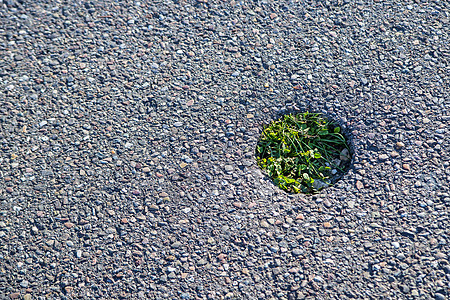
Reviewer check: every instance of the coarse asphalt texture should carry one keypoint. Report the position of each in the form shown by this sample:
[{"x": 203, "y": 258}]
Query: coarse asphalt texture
[{"x": 127, "y": 136}]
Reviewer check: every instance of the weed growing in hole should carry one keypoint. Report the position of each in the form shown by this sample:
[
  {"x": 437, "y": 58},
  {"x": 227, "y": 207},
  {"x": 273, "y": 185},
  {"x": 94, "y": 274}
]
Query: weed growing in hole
[{"x": 303, "y": 152}]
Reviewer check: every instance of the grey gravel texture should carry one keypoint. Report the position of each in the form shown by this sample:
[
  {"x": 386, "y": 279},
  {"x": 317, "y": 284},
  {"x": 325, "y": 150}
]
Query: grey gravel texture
[{"x": 127, "y": 136}]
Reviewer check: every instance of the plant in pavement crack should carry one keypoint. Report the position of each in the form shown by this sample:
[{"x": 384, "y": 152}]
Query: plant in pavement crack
[{"x": 303, "y": 152}]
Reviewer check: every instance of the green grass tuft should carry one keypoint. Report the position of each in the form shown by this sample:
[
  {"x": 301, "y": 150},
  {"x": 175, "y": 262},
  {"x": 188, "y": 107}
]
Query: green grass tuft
[{"x": 300, "y": 151}]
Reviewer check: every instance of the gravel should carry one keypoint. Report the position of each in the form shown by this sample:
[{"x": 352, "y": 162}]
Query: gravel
[{"x": 127, "y": 135}]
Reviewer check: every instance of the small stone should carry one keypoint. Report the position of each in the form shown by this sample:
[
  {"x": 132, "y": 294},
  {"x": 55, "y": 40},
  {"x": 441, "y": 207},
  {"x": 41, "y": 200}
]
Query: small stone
[
  {"x": 297, "y": 252},
  {"x": 319, "y": 184},
  {"x": 359, "y": 185},
  {"x": 153, "y": 207},
  {"x": 300, "y": 217},
  {"x": 446, "y": 269},
  {"x": 237, "y": 204},
  {"x": 228, "y": 168},
  {"x": 145, "y": 169},
  {"x": 178, "y": 124},
  {"x": 318, "y": 279},
  {"x": 368, "y": 245},
  {"x": 404, "y": 288},
  {"x": 406, "y": 167},
  {"x": 35, "y": 230},
  {"x": 252, "y": 204},
  {"x": 327, "y": 225},
  {"x": 439, "y": 296},
  {"x": 383, "y": 157},
  {"x": 185, "y": 296},
  {"x": 201, "y": 262},
  {"x": 394, "y": 154},
  {"x": 69, "y": 225},
  {"x": 111, "y": 230},
  {"x": 264, "y": 224},
  {"x": 176, "y": 245},
  {"x": 344, "y": 155},
  {"x": 141, "y": 217},
  {"x": 221, "y": 256},
  {"x": 27, "y": 297},
  {"x": 399, "y": 145},
  {"x": 14, "y": 295}
]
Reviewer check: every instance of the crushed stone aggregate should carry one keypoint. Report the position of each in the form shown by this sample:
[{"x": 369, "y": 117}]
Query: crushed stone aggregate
[{"x": 127, "y": 136}]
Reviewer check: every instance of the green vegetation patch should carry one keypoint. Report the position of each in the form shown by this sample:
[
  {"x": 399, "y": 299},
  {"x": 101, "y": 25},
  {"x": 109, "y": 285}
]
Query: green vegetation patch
[{"x": 304, "y": 152}]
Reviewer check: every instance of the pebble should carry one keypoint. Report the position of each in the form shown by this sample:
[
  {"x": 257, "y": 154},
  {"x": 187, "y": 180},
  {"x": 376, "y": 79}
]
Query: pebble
[
  {"x": 69, "y": 224},
  {"x": 383, "y": 157},
  {"x": 439, "y": 296},
  {"x": 176, "y": 245},
  {"x": 399, "y": 145},
  {"x": 359, "y": 185},
  {"x": 202, "y": 262},
  {"x": 229, "y": 168},
  {"x": 344, "y": 155},
  {"x": 264, "y": 224}
]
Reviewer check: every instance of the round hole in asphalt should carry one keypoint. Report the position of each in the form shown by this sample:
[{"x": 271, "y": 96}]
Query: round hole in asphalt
[{"x": 304, "y": 152}]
